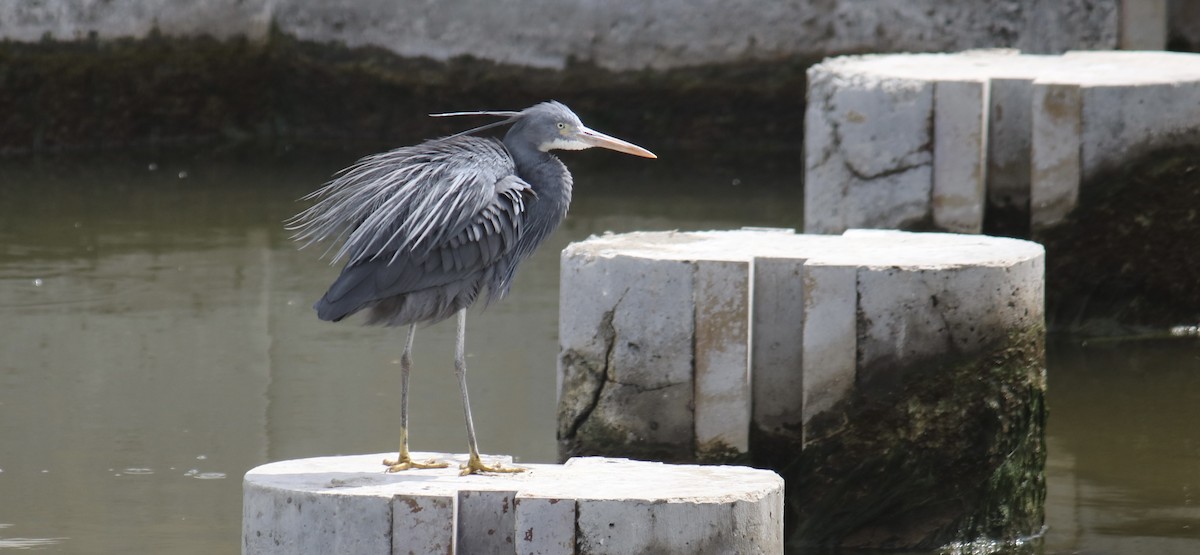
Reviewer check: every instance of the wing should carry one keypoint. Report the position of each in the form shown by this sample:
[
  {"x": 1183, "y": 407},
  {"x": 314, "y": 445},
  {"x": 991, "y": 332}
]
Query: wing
[
  {"x": 408, "y": 200},
  {"x": 437, "y": 215}
]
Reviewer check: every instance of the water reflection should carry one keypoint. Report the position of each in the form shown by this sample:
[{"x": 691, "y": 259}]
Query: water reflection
[
  {"x": 1124, "y": 445},
  {"x": 157, "y": 336}
]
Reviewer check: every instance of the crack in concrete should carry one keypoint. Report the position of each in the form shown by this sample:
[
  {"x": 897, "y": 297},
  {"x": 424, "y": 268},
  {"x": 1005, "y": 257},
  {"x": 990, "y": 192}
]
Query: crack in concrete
[
  {"x": 859, "y": 174},
  {"x": 608, "y": 333}
]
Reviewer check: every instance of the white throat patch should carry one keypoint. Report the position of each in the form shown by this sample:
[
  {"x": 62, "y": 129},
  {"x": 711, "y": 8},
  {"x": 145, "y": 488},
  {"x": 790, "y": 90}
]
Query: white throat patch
[{"x": 563, "y": 144}]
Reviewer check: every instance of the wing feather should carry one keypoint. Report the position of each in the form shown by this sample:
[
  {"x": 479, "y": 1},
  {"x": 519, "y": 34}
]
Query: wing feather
[
  {"x": 415, "y": 218},
  {"x": 409, "y": 200}
]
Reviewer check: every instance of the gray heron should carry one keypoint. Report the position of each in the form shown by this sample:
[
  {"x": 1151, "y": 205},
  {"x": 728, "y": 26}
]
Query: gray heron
[{"x": 428, "y": 230}]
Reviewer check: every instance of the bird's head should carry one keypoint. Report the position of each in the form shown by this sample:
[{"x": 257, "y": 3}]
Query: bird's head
[{"x": 553, "y": 126}]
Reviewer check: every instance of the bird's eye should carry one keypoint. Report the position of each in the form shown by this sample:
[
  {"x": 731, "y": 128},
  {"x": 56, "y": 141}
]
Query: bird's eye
[{"x": 562, "y": 125}]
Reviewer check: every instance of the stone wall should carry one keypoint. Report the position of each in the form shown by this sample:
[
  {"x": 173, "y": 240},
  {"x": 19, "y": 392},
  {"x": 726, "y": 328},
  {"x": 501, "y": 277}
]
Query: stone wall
[{"x": 616, "y": 35}]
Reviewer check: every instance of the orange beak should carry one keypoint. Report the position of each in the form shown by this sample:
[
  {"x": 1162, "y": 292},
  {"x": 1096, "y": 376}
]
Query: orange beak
[{"x": 596, "y": 138}]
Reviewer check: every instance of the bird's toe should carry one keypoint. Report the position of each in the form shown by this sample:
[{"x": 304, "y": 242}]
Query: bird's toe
[
  {"x": 475, "y": 466},
  {"x": 402, "y": 464}
]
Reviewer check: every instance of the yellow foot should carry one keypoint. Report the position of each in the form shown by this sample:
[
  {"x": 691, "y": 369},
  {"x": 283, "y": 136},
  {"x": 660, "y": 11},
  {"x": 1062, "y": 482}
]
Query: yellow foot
[
  {"x": 405, "y": 462},
  {"x": 475, "y": 465}
]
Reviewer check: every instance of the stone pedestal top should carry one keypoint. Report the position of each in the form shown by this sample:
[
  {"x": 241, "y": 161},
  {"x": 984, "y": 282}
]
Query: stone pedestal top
[
  {"x": 856, "y": 247},
  {"x": 1080, "y": 67},
  {"x": 597, "y": 478}
]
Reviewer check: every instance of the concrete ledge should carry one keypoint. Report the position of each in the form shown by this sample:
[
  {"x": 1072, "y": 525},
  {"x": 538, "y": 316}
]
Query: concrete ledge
[
  {"x": 588, "y": 505},
  {"x": 902, "y": 141}
]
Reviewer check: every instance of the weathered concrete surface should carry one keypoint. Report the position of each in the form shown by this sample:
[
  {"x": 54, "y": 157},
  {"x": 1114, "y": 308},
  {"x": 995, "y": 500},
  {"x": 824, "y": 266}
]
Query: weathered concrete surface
[
  {"x": 960, "y": 132},
  {"x": 614, "y": 35},
  {"x": 588, "y": 505},
  {"x": 722, "y": 358},
  {"x": 837, "y": 324},
  {"x": 1053, "y": 123},
  {"x": 35, "y": 20},
  {"x": 1143, "y": 24},
  {"x": 853, "y": 174},
  {"x": 609, "y": 379}
]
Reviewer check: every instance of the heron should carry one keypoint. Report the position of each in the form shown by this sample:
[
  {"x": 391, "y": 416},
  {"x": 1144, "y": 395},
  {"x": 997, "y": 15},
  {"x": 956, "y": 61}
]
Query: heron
[{"x": 430, "y": 229}]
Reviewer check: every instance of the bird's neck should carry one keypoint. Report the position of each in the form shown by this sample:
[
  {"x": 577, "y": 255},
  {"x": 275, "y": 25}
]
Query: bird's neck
[{"x": 542, "y": 170}]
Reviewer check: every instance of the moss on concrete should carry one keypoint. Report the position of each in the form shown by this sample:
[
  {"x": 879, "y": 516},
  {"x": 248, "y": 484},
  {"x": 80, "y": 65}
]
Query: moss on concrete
[
  {"x": 955, "y": 452},
  {"x": 100, "y": 94},
  {"x": 1122, "y": 262},
  {"x": 719, "y": 452}
]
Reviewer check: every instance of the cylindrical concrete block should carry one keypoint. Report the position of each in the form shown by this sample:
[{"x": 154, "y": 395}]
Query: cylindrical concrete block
[
  {"x": 588, "y": 505},
  {"x": 938, "y": 140},
  {"x": 793, "y": 350}
]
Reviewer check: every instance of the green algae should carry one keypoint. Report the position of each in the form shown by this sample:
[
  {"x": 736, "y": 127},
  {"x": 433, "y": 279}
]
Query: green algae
[
  {"x": 1121, "y": 262},
  {"x": 955, "y": 453}
]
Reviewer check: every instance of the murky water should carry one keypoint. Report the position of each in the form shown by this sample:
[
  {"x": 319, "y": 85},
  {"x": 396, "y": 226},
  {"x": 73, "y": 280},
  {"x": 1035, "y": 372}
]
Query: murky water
[{"x": 156, "y": 342}]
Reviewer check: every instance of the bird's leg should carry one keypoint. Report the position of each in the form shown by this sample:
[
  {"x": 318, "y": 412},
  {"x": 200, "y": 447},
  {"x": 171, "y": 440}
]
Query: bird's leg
[
  {"x": 474, "y": 464},
  {"x": 404, "y": 459}
]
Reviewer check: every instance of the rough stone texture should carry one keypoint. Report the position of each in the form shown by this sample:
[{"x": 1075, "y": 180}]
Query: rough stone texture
[
  {"x": 1054, "y": 155},
  {"x": 868, "y": 150},
  {"x": 615, "y": 35},
  {"x": 722, "y": 358},
  {"x": 1055, "y": 122},
  {"x": 544, "y": 525},
  {"x": 35, "y": 20},
  {"x": 640, "y": 361},
  {"x": 486, "y": 521},
  {"x": 1008, "y": 156},
  {"x": 778, "y": 318},
  {"x": 1143, "y": 24},
  {"x": 960, "y": 155},
  {"x": 431, "y": 522},
  {"x": 830, "y": 340},
  {"x": 840, "y": 323},
  {"x": 347, "y": 505}
]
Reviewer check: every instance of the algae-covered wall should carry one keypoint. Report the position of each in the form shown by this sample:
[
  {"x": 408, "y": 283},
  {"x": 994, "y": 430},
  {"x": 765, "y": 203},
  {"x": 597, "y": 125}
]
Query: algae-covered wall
[
  {"x": 110, "y": 93},
  {"x": 955, "y": 450},
  {"x": 1122, "y": 262}
]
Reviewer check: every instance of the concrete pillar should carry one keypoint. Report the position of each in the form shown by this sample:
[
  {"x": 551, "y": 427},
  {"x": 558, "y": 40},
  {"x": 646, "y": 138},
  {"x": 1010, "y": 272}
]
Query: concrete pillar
[
  {"x": 588, "y": 505},
  {"x": 843, "y": 332},
  {"x": 1045, "y": 125}
]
